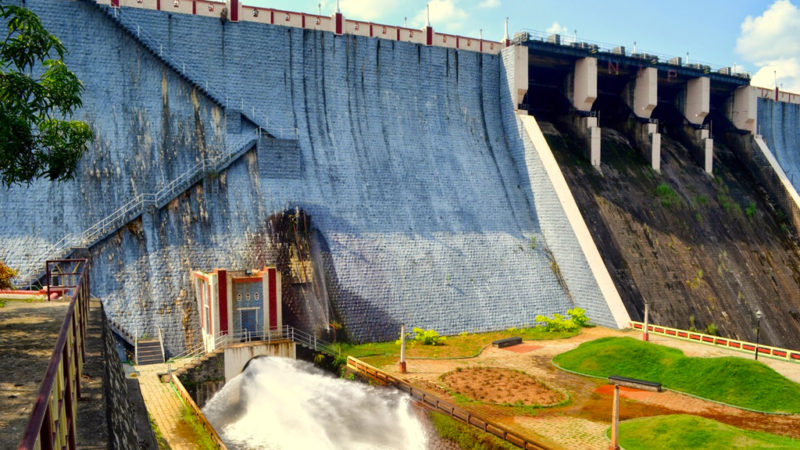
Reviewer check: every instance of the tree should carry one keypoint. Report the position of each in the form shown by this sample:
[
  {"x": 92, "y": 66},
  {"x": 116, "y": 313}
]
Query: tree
[
  {"x": 37, "y": 92},
  {"x": 6, "y": 274}
]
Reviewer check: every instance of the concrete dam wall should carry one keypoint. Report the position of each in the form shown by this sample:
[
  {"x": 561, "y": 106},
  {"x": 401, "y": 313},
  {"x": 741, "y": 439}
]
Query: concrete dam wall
[
  {"x": 426, "y": 213},
  {"x": 779, "y": 124}
]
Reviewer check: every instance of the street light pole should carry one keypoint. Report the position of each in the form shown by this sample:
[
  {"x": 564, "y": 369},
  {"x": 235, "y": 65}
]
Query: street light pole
[{"x": 759, "y": 315}]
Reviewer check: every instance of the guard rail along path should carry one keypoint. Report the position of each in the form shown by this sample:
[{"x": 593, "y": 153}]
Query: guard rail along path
[
  {"x": 285, "y": 333},
  {"x": 435, "y": 403},
  {"x": 743, "y": 346},
  {"x": 53, "y": 418}
]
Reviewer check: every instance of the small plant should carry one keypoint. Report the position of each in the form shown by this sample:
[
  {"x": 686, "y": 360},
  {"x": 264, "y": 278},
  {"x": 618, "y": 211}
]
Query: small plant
[
  {"x": 557, "y": 323},
  {"x": 750, "y": 210},
  {"x": 667, "y": 195},
  {"x": 428, "y": 337},
  {"x": 692, "y": 326},
  {"x": 578, "y": 315},
  {"x": 6, "y": 274},
  {"x": 711, "y": 329},
  {"x": 533, "y": 242}
]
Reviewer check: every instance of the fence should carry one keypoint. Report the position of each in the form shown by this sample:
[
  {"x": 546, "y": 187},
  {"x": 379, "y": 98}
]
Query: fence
[
  {"x": 53, "y": 419},
  {"x": 433, "y": 402},
  {"x": 742, "y": 346}
]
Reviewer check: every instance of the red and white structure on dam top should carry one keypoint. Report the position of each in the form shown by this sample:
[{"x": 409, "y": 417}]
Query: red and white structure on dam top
[{"x": 235, "y": 11}]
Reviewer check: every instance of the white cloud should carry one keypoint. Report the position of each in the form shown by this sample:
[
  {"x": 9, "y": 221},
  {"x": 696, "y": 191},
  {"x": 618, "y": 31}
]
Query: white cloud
[
  {"x": 444, "y": 15},
  {"x": 489, "y": 4},
  {"x": 787, "y": 70},
  {"x": 557, "y": 28},
  {"x": 369, "y": 10},
  {"x": 771, "y": 41}
]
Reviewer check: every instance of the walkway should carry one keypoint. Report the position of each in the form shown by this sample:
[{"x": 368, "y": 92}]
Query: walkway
[
  {"x": 163, "y": 404},
  {"x": 28, "y": 334}
]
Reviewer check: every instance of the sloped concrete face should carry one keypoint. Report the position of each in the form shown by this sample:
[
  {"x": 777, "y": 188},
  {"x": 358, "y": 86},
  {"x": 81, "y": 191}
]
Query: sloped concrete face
[
  {"x": 779, "y": 124},
  {"x": 400, "y": 157}
]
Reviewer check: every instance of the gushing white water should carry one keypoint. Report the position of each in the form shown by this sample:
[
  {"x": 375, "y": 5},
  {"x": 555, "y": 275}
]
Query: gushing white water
[{"x": 280, "y": 403}]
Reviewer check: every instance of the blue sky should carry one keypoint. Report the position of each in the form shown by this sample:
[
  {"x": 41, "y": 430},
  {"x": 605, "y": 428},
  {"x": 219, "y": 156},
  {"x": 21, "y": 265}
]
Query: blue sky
[{"x": 760, "y": 36}]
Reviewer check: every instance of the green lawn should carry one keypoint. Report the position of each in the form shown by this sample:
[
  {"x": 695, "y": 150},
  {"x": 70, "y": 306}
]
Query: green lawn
[
  {"x": 682, "y": 431},
  {"x": 459, "y": 346},
  {"x": 737, "y": 381}
]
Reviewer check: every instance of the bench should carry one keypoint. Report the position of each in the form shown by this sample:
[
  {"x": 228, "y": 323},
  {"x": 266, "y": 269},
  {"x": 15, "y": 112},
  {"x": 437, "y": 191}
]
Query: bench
[
  {"x": 634, "y": 383},
  {"x": 507, "y": 342}
]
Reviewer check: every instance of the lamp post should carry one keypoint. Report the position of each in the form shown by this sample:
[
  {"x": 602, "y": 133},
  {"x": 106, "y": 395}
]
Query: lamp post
[
  {"x": 645, "y": 336},
  {"x": 759, "y": 315}
]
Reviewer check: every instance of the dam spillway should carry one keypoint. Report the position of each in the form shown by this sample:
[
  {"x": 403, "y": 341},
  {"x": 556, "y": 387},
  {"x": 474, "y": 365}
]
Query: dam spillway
[{"x": 280, "y": 403}]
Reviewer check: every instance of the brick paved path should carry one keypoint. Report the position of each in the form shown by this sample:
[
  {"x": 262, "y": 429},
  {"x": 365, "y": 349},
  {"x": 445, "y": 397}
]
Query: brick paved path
[{"x": 164, "y": 404}]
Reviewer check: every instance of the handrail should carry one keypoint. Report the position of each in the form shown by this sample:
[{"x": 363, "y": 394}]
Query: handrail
[
  {"x": 287, "y": 332},
  {"x": 136, "y": 206},
  {"x": 433, "y": 402},
  {"x": 161, "y": 343},
  {"x": 53, "y": 418},
  {"x": 734, "y": 344}
]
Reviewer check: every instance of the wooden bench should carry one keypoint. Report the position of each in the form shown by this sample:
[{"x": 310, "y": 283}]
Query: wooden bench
[
  {"x": 507, "y": 342},
  {"x": 634, "y": 383}
]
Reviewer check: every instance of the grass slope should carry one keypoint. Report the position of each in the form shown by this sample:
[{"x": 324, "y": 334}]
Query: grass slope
[
  {"x": 736, "y": 381},
  {"x": 466, "y": 436},
  {"x": 683, "y": 431}
]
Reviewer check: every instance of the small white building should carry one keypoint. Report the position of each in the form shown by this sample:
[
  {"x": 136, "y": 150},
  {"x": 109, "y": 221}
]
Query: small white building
[{"x": 243, "y": 305}]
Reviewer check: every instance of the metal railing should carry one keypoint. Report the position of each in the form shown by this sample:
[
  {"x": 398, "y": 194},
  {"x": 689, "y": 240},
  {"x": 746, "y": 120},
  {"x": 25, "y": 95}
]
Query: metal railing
[
  {"x": 286, "y": 332},
  {"x": 138, "y": 204},
  {"x": 53, "y": 418},
  {"x": 733, "y": 344},
  {"x": 572, "y": 40},
  {"x": 435, "y": 403}
]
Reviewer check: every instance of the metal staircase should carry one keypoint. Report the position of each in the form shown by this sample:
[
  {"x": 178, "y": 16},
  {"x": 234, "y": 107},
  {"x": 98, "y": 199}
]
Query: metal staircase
[{"x": 135, "y": 207}]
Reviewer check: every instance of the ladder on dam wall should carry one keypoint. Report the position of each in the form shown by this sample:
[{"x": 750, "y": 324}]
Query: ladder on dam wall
[{"x": 138, "y": 205}]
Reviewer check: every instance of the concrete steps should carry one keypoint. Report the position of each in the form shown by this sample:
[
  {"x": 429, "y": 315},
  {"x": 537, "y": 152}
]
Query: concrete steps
[{"x": 149, "y": 352}]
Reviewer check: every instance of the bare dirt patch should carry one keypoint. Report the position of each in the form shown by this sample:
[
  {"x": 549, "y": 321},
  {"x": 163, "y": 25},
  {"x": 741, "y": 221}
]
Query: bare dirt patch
[
  {"x": 502, "y": 386},
  {"x": 28, "y": 334}
]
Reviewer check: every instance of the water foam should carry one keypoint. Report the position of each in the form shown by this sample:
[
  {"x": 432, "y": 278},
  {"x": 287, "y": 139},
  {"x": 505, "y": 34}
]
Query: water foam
[{"x": 280, "y": 403}]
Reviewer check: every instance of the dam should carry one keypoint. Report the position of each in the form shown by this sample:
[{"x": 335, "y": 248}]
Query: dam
[{"x": 422, "y": 159}]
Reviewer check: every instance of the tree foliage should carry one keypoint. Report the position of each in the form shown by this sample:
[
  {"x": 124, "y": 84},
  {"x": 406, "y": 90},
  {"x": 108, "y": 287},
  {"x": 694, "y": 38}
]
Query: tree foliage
[
  {"x": 6, "y": 274},
  {"x": 37, "y": 93}
]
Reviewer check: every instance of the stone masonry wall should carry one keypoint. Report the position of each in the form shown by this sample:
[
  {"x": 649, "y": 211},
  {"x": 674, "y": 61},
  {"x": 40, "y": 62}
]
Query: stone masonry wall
[
  {"x": 779, "y": 124},
  {"x": 402, "y": 160}
]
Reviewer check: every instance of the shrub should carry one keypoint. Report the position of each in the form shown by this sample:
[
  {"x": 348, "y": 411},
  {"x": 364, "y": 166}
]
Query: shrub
[
  {"x": 667, "y": 195},
  {"x": 750, "y": 210},
  {"x": 428, "y": 337},
  {"x": 578, "y": 315},
  {"x": 557, "y": 323},
  {"x": 577, "y": 319},
  {"x": 711, "y": 329},
  {"x": 6, "y": 274}
]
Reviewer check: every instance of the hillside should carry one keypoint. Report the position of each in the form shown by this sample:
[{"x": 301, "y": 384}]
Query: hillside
[{"x": 701, "y": 250}]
